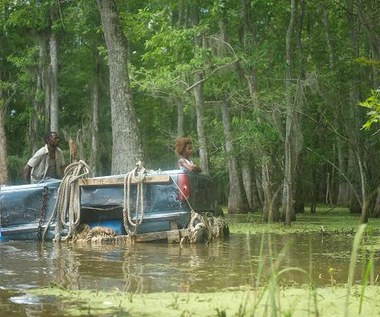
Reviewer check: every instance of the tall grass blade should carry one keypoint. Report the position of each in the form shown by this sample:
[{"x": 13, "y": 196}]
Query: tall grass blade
[
  {"x": 351, "y": 271},
  {"x": 369, "y": 269}
]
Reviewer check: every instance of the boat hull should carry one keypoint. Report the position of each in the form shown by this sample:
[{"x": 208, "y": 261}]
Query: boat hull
[
  {"x": 25, "y": 210},
  {"x": 28, "y": 212}
]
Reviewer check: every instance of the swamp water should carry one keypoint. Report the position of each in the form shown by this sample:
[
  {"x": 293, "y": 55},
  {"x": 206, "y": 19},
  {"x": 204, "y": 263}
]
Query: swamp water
[{"x": 130, "y": 272}]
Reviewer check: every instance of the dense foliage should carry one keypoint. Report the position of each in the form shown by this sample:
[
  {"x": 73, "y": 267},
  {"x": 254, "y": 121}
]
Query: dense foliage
[{"x": 290, "y": 74}]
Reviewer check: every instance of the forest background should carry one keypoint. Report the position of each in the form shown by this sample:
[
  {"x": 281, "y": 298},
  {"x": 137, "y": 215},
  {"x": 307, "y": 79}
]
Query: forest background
[{"x": 269, "y": 91}]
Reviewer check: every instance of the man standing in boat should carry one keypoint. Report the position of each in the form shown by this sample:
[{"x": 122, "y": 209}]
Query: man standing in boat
[{"x": 47, "y": 162}]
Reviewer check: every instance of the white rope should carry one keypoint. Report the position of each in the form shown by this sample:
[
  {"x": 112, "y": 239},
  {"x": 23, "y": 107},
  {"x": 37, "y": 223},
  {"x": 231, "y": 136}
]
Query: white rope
[
  {"x": 214, "y": 229},
  {"x": 137, "y": 175},
  {"x": 68, "y": 201}
]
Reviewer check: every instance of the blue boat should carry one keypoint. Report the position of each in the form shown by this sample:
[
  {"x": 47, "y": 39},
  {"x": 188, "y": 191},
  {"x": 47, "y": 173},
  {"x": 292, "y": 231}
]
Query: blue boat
[
  {"x": 24, "y": 210},
  {"x": 143, "y": 205}
]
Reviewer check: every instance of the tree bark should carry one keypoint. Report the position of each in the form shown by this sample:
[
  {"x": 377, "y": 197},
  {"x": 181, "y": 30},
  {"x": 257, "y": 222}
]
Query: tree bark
[
  {"x": 199, "y": 106},
  {"x": 270, "y": 211},
  {"x": 44, "y": 68},
  {"x": 94, "y": 121},
  {"x": 54, "y": 111},
  {"x": 364, "y": 190},
  {"x": 36, "y": 122},
  {"x": 4, "y": 101},
  {"x": 287, "y": 205},
  {"x": 53, "y": 69},
  {"x": 343, "y": 186},
  {"x": 369, "y": 18},
  {"x": 3, "y": 145},
  {"x": 353, "y": 133},
  {"x": 376, "y": 209},
  {"x": 126, "y": 147},
  {"x": 180, "y": 116},
  {"x": 247, "y": 38},
  {"x": 236, "y": 203},
  {"x": 247, "y": 183}
]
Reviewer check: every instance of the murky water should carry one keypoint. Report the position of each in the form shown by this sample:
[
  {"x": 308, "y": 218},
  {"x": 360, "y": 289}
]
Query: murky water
[{"x": 155, "y": 267}]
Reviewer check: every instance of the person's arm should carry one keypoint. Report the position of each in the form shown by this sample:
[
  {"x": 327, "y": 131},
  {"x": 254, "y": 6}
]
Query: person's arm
[
  {"x": 196, "y": 168},
  {"x": 27, "y": 171},
  {"x": 190, "y": 167}
]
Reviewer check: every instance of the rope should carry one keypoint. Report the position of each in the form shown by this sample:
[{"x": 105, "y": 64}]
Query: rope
[
  {"x": 213, "y": 226},
  {"x": 67, "y": 207},
  {"x": 137, "y": 175}
]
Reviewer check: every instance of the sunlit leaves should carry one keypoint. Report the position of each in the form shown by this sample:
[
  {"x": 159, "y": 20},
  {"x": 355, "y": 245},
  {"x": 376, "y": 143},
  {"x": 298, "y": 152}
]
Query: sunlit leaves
[
  {"x": 31, "y": 15},
  {"x": 373, "y": 104}
]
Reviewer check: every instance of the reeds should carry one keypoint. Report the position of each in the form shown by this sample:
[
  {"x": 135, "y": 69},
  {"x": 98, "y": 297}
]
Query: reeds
[
  {"x": 267, "y": 289},
  {"x": 367, "y": 264}
]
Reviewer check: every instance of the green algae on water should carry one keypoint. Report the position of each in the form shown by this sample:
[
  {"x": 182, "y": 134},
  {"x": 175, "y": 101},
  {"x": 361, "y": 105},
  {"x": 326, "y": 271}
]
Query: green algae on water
[{"x": 302, "y": 301}]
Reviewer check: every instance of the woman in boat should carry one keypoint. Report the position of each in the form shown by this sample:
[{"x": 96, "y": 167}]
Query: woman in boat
[
  {"x": 184, "y": 149},
  {"x": 47, "y": 162}
]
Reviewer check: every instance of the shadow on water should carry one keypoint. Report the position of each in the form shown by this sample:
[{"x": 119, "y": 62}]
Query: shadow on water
[{"x": 158, "y": 267}]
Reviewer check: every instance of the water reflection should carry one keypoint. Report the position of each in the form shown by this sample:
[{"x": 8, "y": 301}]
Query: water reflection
[{"x": 242, "y": 260}]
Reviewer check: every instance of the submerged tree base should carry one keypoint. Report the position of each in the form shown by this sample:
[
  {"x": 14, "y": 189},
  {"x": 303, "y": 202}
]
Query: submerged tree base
[{"x": 303, "y": 301}]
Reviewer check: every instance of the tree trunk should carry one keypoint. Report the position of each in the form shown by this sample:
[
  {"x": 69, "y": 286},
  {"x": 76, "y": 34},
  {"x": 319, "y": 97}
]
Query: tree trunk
[
  {"x": 364, "y": 210},
  {"x": 270, "y": 211},
  {"x": 343, "y": 186},
  {"x": 126, "y": 146},
  {"x": 236, "y": 202},
  {"x": 180, "y": 116},
  {"x": 354, "y": 193},
  {"x": 369, "y": 20},
  {"x": 287, "y": 205},
  {"x": 260, "y": 194},
  {"x": 247, "y": 38},
  {"x": 354, "y": 124},
  {"x": 94, "y": 123},
  {"x": 53, "y": 69},
  {"x": 376, "y": 209},
  {"x": 364, "y": 190},
  {"x": 54, "y": 112},
  {"x": 247, "y": 183},
  {"x": 199, "y": 106},
  {"x": 251, "y": 189},
  {"x": 44, "y": 70},
  {"x": 35, "y": 122},
  {"x": 4, "y": 178}
]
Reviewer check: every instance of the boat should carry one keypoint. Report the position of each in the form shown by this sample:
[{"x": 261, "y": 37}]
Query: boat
[{"x": 140, "y": 206}]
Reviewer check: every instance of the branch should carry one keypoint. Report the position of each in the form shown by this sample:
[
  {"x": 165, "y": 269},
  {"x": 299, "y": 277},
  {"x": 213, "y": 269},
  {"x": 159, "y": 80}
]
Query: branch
[
  {"x": 340, "y": 172},
  {"x": 7, "y": 100},
  {"x": 211, "y": 74}
]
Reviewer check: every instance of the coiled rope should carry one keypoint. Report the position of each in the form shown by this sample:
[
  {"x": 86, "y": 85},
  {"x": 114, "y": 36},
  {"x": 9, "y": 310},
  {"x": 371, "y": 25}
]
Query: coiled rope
[
  {"x": 137, "y": 175},
  {"x": 212, "y": 225},
  {"x": 67, "y": 207}
]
